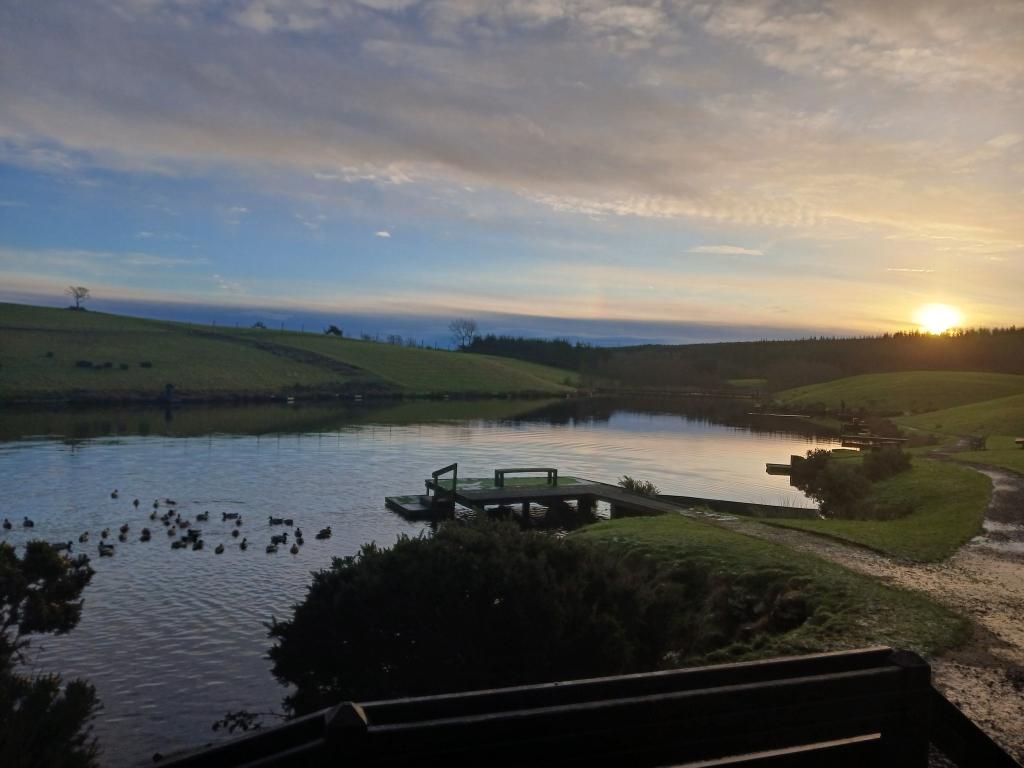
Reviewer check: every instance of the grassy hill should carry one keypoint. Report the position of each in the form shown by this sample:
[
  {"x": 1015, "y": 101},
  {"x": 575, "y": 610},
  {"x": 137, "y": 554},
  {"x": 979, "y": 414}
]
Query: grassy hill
[
  {"x": 57, "y": 353},
  {"x": 910, "y": 392}
]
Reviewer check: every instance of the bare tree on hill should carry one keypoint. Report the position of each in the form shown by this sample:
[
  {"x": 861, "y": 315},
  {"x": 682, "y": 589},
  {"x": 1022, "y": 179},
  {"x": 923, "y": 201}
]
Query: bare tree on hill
[
  {"x": 463, "y": 330},
  {"x": 78, "y": 294}
]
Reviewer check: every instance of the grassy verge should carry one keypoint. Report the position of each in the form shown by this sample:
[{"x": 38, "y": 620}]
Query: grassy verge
[
  {"x": 909, "y": 392},
  {"x": 1001, "y": 416},
  {"x": 1000, "y": 451},
  {"x": 949, "y": 505},
  {"x": 845, "y": 609},
  {"x": 58, "y": 354}
]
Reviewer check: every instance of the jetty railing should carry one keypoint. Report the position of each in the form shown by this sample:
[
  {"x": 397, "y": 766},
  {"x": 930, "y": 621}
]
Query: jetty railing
[
  {"x": 873, "y": 706},
  {"x": 443, "y": 497},
  {"x": 499, "y": 474}
]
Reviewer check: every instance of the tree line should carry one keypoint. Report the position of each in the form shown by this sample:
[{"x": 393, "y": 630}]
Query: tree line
[{"x": 777, "y": 364}]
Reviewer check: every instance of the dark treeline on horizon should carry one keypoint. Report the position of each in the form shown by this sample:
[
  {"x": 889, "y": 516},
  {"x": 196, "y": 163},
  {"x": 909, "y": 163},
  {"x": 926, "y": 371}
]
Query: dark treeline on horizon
[{"x": 782, "y": 364}]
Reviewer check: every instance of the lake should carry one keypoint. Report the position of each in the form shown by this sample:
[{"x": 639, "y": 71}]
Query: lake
[{"x": 173, "y": 639}]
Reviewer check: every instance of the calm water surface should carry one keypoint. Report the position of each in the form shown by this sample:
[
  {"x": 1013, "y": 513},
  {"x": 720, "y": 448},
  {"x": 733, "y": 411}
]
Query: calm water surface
[{"x": 172, "y": 639}]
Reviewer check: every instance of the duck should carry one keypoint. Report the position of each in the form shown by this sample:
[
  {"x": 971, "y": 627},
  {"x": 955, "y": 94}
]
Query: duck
[
  {"x": 28, "y": 523},
  {"x": 271, "y": 549},
  {"x": 122, "y": 537},
  {"x": 193, "y": 534},
  {"x": 183, "y": 523},
  {"x": 135, "y": 503},
  {"x": 299, "y": 540},
  {"x": 60, "y": 547},
  {"x": 197, "y": 544},
  {"x": 325, "y": 533},
  {"x": 298, "y": 533},
  {"x": 179, "y": 543},
  {"x": 83, "y": 538},
  {"x": 234, "y": 533},
  {"x": 104, "y": 533},
  {"x": 170, "y": 502},
  {"x": 276, "y": 520},
  {"x": 172, "y": 531},
  {"x": 244, "y": 544},
  {"x": 113, "y": 494},
  {"x": 7, "y": 524},
  {"x": 289, "y": 521},
  {"x": 279, "y": 539},
  {"x": 238, "y": 522},
  {"x": 228, "y": 516},
  {"x": 124, "y": 528},
  {"x": 145, "y": 535},
  {"x": 106, "y": 550},
  {"x": 156, "y": 503},
  {"x": 219, "y": 549},
  {"x": 202, "y": 517},
  {"x": 295, "y": 549},
  {"x": 152, "y": 515}
]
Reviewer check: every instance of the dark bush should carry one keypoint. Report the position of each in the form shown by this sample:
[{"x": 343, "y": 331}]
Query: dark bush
[
  {"x": 49, "y": 354},
  {"x": 886, "y": 462},
  {"x": 841, "y": 491},
  {"x": 145, "y": 364},
  {"x": 474, "y": 606},
  {"x": 123, "y": 366},
  {"x": 83, "y": 363},
  {"x": 107, "y": 364}
]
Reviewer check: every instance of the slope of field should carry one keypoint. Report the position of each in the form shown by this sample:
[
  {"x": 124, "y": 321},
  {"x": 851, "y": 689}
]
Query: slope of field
[
  {"x": 911, "y": 392},
  {"x": 54, "y": 353},
  {"x": 844, "y": 609},
  {"x": 1002, "y": 416},
  {"x": 948, "y": 502}
]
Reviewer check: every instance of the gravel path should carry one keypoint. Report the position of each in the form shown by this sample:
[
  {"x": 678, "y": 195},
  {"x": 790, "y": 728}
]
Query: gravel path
[{"x": 983, "y": 580}]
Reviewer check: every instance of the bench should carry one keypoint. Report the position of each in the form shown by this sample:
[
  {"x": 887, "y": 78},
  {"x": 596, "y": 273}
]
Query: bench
[
  {"x": 499, "y": 474},
  {"x": 873, "y": 706}
]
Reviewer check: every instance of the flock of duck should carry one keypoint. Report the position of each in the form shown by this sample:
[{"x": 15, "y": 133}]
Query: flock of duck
[{"x": 184, "y": 533}]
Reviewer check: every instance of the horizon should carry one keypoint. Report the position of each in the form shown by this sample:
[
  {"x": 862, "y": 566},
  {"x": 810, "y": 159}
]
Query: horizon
[{"x": 655, "y": 172}]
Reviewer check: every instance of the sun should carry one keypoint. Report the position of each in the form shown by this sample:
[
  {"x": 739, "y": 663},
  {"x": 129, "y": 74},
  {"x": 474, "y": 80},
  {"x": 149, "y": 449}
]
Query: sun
[{"x": 938, "y": 318}]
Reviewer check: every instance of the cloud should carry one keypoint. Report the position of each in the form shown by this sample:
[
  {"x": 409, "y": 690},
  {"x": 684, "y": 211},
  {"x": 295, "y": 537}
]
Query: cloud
[
  {"x": 382, "y": 233},
  {"x": 726, "y": 249},
  {"x": 916, "y": 270},
  {"x": 1005, "y": 141}
]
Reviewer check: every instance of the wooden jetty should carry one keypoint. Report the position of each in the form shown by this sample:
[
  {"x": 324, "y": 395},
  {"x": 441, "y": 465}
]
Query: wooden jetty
[
  {"x": 870, "y": 706},
  {"x": 445, "y": 491}
]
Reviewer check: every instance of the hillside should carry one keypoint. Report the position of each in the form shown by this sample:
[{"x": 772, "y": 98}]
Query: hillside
[
  {"x": 59, "y": 354},
  {"x": 907, "y": 392}
]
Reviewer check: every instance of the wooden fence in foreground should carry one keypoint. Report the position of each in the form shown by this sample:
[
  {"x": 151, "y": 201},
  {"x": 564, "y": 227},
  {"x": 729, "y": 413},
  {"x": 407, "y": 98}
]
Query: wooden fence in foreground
[{"x": 873, "y": 706}]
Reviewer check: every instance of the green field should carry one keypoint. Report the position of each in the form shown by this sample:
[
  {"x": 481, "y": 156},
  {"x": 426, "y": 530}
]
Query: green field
[
  {"x": 902, "y": 393},
  {"x": 42, "y": 347},
  {"x": 846, "y": 610},
  {"x": 949, "y": 504}
]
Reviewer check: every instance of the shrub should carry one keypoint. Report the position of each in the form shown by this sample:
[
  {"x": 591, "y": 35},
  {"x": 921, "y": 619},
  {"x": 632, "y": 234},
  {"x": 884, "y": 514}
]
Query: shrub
[
  {"x": 884, "y": 463},
  {"x": 145, "y": 364},
  {"x": 123, "y": 366},
  {"x": 83, "y": 363},
  {"x": 841, "y": 491},
  {"x": 107, "y": 364},
  {"x": 49, "y": 354},
  {"x": 42, "y": 721},
  {"x": 642, "y": 487},
  {"x": 474, "y": 606}
]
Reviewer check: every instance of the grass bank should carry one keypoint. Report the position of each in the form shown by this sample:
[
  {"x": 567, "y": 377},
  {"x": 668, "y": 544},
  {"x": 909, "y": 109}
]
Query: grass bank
[
  {"x": 843, "y": 609},
  {"x": 57, "y": 354},
  {"x": 901, "y": 393},
  {"x": 948, "y": 502}
]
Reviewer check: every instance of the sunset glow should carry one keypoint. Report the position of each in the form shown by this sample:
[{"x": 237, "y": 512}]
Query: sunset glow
[{"x": 938, "y": 318}]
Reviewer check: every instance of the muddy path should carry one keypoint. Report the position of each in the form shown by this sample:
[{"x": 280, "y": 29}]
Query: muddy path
[{"x": 984, "y": 580}]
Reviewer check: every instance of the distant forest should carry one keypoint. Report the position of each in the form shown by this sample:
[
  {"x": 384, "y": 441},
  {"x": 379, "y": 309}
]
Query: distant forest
[{"x": 779, "y": 364}]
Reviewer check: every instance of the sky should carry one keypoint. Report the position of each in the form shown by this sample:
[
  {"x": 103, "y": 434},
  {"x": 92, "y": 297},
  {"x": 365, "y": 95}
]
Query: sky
[{"x": 671, "y": 170}]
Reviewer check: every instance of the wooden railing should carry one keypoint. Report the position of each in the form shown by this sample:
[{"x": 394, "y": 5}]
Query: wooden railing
[
  {"x": 499, "y": 474},
  {"x": 443, "y": 496},
  {"x": 873, "y": 706}
]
